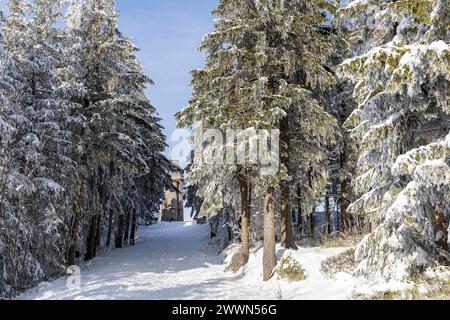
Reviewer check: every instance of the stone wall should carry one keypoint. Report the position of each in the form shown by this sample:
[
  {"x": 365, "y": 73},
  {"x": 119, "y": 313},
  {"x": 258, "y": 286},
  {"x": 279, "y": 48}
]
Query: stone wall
[{"x": 172, "y": 207}]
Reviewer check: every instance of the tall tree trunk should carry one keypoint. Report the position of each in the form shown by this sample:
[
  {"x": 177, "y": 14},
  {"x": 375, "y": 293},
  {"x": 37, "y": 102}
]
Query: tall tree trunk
[
  {"x": 180, "y": 214},
  {"x": 98, "y": 233},
  {"x": 245, "y": 217},
  {"x": 328, "y": 214},
  {"x": 133, "y": 227},
  {"x": 346, "y": 224},
  {"x": 299, "y": 211},
  {"x": 312, "y": 224},
  {"x": 229, "y": 224},
  {"x": 126, "y": 236},
  {"x": 90, "y": 242},
  {"x": 73, "y": 236},
  {"x": 110, "y": 225},
  {"x": 345, "y": 195},
  {"x": 92, "y": 202},
  {"x": 101, "y": 201},
  {"x": 109, "y": 205},
  {"x": 269, "y": 253},
  {"x": 287, "y": 230},
  {"x": 120, "y": 231}
]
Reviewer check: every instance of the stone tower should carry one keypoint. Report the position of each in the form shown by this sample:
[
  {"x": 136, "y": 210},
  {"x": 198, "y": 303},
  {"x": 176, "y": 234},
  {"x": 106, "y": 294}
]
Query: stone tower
[{"x": 172, "y": 207}]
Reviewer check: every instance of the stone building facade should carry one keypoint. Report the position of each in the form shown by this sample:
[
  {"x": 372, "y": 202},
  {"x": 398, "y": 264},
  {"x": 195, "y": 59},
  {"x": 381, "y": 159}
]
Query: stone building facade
[{"x": 172, "y": 208}]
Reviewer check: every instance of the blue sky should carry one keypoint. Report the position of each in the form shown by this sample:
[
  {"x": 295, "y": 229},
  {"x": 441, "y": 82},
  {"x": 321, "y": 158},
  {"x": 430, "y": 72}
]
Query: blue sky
[{"x": 168, "y": 32}]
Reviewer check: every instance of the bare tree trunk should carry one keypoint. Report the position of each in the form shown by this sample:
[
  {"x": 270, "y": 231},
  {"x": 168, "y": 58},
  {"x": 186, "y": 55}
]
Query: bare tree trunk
[
  {"x": 133, "y": 227},
  {"x": 126, "y": 236},
  {"x": 299, "y": 211},
  {"x": 312, "y": 224},
  {"x": 287, "y": 232},
  {"x": 110, "y": 225},
  {"x": 180, "y": 214},
  {"x": 73, "y": 236},
  {"x": 346, "y": 224},
  {"x": 229, "y": 228},
  {"x": 90, "y": 245},
  {"x": 269, "y": 254},
  {"x": 109, "y": 205},
  {"x": 120, "y": 231},
  {"x": 245, "y": 218},
  {"x": 328, "y": 214},
  {"x": 311, "y": 214},
  {"x": 345, "y": 196},
  {"x": 92, "y": 202},
  {"x": 98, "y": 233}
]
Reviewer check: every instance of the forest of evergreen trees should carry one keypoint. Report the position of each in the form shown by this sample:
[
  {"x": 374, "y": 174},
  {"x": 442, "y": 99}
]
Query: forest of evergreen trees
[
  {"x": 81, "y": 147},
  {"x": 359, "y": 91}
]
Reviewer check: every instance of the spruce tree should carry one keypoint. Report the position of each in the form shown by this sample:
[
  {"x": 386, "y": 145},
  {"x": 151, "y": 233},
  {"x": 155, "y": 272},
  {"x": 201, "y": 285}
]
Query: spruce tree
[
  {"x": 402, "y": 127},
  {"x": 264, "y": 59},
  {"x": 37, "y": 146}
]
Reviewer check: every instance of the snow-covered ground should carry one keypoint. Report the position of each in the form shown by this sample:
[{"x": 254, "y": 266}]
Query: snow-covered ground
[{"x": 176, "y": 261}]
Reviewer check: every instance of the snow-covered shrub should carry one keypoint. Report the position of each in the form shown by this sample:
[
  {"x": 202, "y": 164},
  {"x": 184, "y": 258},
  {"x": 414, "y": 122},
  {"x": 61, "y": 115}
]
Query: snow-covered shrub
[
  {"x": 235, "y": 262},
  {"x": 289, "y": 268},
  {"x": 344, "y": 262}
]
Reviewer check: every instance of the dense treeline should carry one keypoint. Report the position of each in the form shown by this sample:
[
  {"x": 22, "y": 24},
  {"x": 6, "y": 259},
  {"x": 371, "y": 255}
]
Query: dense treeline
[
  {"x": 360, "y": 93},
  {"x": 81, "y": 147}
]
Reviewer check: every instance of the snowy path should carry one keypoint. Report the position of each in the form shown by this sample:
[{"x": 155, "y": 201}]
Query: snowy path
[{"x": 174, "y": 261}]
